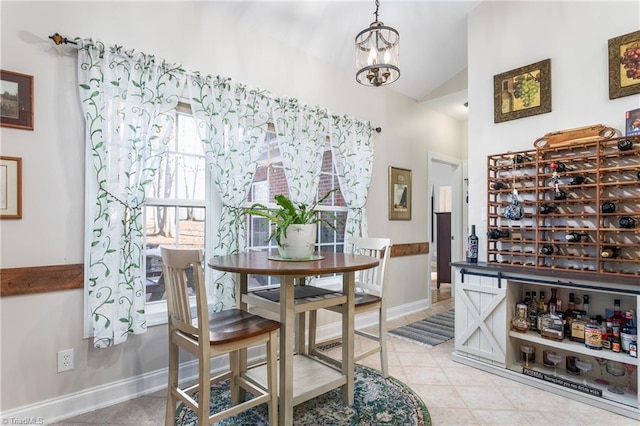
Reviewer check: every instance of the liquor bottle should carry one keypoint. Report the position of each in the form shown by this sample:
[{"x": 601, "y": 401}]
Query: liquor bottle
[
  {"x": 552, "y": 325},
  {"x": 627, "y": 222},
  {"x": 610, "y": 252},
  {"x": 616, "y": 344},
  {"x": 547, "y": 249},
  {"x": 520, "y": 321},
  {"x": 608, "y": 207},
  {"x": 559, "y": 194},
  {"x": 547, "y": 208},
  {"x": 569, "y": 314},
  {"x": 618, "y": 318},
  {"x": 496, "y": 234},
  {"x": 497, "y": 185},
  {"x": 472, "y": 250},
  {"x": 628, "y": 333},
  {"x": 533, "y": 312},
  {"x": 553, "y": 300},
  {"x": 625, "y": 144},
  {"x": 575, "y": 237},
  {"x": 576, "y": 180},
  {"x": 540, "y": 311},
  {"x": 527, "y": 298},
  {"x": 593, "y": 335}
]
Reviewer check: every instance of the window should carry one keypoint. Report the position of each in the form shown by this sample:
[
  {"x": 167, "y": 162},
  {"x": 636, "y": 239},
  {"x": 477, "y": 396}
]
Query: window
[
  {"x": 176, "y": 209},
  {"x": 269, "y": 181}
]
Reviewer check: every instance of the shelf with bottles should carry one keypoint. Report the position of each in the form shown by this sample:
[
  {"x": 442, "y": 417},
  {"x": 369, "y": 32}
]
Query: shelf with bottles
[
  {"x": 576, "y": 304},
  {"x": 616, "y": 378}
]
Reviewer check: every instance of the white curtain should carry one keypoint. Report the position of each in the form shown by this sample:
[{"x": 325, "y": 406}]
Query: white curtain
[
  {"x": 352, "y": 148},
  {"x": 232, "y": 123},
  {"x": 301, "y": 131},
  {"x": 128, "y": 100}
]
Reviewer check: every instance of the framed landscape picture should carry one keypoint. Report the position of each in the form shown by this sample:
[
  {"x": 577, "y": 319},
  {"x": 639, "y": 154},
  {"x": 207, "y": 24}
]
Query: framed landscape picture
[
  {"x": 10, "y": 188},
  {"x": 16, "y": 100},
  {"x": 522, "y": 92},
  {"x": 624, "y": 65},
  {"x": 399, "y": 194}
]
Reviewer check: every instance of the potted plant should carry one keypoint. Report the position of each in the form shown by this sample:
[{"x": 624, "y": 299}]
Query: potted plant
[{"x": 294, "y": 225}]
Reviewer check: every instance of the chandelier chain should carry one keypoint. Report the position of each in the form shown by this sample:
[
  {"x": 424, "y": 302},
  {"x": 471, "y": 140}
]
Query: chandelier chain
[{"x": 377, "y": 7}]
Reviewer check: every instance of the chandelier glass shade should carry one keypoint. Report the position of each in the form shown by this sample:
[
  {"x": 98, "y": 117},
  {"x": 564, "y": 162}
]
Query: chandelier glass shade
[{"x": 377, "y": 55}]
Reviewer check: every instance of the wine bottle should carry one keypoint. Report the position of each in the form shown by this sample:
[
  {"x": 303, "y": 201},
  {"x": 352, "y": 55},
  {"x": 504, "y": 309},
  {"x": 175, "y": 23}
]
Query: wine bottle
[
  {"x": 547, "y": 249},
  {"x": 558, "y": 167},
  {"x": 627, "y": 222},
  {"x": 575, "y": 237},
  {"x": 472, "y": 250},
  {"x": 610, "y": 252},
  {"x": 559, "y": 194},
  {"x": 625, "y": 144},
  {"x": 496, "y": 234},
  {"x": 576, "y": 180},
  {"x": 607, "y": 207},
  {"x": 547, "y": 208},
  {"x": 497, "y": 185},
  {"x": 519, "y": 158}
]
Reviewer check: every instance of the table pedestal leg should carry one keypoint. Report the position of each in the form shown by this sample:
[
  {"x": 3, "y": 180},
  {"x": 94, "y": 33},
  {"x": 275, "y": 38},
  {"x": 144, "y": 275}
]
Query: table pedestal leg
[{"x": 287, "y": 336}]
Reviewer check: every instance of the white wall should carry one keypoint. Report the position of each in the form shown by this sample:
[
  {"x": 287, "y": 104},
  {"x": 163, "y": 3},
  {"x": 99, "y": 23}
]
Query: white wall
[
  {"x": 34, "y": 327},
  {"x": 506, "y": 35}
]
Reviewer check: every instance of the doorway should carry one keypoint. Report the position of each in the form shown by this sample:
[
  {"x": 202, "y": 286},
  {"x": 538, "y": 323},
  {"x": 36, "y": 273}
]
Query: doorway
[{"x": 446, "y": 223}]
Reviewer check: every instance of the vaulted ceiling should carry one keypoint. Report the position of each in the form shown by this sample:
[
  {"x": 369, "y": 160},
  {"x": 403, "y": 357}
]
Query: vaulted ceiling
[{"x": 433, "y": 39}]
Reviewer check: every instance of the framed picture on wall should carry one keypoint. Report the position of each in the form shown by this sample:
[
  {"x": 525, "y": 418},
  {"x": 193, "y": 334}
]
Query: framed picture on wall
[
  {"x": 16, "y": 100},
  {"x": 10, "y": 188},
  {"x": 522, "y": 92},
  {"x": 624, "y": 65},
  {"x": 399, "y": 194}
]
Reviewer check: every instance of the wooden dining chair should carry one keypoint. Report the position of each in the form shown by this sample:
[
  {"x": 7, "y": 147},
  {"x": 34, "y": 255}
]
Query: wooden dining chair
[
  {"x": 211, "y": 334},
  {"x": 369, "y": 297}
]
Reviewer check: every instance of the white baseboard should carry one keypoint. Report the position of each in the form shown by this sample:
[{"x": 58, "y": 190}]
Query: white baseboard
[{"x": 73, "y": 404}]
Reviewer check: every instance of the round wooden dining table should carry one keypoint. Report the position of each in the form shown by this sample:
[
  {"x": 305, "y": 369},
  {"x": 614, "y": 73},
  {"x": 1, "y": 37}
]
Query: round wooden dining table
[{"x": 301, "y": 377}]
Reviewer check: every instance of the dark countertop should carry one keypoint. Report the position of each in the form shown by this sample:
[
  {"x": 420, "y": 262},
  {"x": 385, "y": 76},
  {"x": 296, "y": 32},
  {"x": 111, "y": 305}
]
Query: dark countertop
[{"x": 603, "y": 279}]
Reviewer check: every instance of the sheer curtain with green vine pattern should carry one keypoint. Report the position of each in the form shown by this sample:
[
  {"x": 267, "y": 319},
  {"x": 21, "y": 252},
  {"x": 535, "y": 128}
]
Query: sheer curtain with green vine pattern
[
  {"x": 128, "y": 101},
  {"x": 352, "y": 149},
  {"x": 301, "y": 133},
  {"x": 232, "y": 123}
]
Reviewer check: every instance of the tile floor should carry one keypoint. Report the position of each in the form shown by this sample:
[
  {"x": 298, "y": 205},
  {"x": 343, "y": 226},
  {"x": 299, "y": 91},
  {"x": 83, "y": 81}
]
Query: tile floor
[{"x": 455, "y": 394}]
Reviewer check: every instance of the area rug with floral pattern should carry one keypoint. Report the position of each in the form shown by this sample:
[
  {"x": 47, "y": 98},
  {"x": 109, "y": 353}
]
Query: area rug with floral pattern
[{"x": 377, "y": 401}]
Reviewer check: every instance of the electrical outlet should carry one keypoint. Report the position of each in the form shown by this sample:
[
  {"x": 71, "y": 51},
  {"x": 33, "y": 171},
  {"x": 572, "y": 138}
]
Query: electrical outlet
[{"x": 65, "y": 360}]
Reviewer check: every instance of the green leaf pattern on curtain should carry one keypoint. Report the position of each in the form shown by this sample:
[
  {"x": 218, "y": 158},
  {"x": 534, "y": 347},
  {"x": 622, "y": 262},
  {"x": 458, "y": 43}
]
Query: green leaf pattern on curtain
[
  {"x": 352, "y": 149},
  {"x": 232, "y": 123},
  {"x": 301, "y": 134},
  {"x": 128, "y": 100}
]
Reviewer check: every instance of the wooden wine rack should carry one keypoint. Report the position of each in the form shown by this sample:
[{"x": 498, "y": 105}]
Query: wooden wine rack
[{"x": 610, "y": 175}]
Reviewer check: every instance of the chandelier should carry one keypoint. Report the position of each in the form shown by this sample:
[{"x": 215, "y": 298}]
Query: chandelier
[{"x": 377, "y": 54}]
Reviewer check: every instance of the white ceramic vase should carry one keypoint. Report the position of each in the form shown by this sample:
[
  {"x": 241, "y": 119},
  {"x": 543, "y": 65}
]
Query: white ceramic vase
[{"x": 299, "y": 243}]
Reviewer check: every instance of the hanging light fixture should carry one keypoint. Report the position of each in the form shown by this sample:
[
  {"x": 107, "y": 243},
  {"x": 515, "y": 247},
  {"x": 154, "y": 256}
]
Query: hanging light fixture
[{"x": 377, "y": 54}]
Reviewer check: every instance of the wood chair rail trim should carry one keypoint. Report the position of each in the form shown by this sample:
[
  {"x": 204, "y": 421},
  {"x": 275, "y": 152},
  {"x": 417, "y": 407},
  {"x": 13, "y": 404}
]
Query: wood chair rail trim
[{"x": 42, "y": 279}]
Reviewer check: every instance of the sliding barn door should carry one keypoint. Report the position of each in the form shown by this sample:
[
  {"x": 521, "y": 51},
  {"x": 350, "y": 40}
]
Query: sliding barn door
[{"x": 480, "y": 317}]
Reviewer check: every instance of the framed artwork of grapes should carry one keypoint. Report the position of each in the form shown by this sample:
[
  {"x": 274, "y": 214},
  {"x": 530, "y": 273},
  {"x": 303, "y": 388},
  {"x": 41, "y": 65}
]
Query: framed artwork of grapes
[
  {"x": 16, "y": 100},
  {"x": 522, "y": 92},
  {"x": 624, "y": 65}
]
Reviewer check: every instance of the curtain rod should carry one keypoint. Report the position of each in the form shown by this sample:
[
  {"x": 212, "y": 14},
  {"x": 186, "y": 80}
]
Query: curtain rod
[{"x": 58, "y": 40}]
